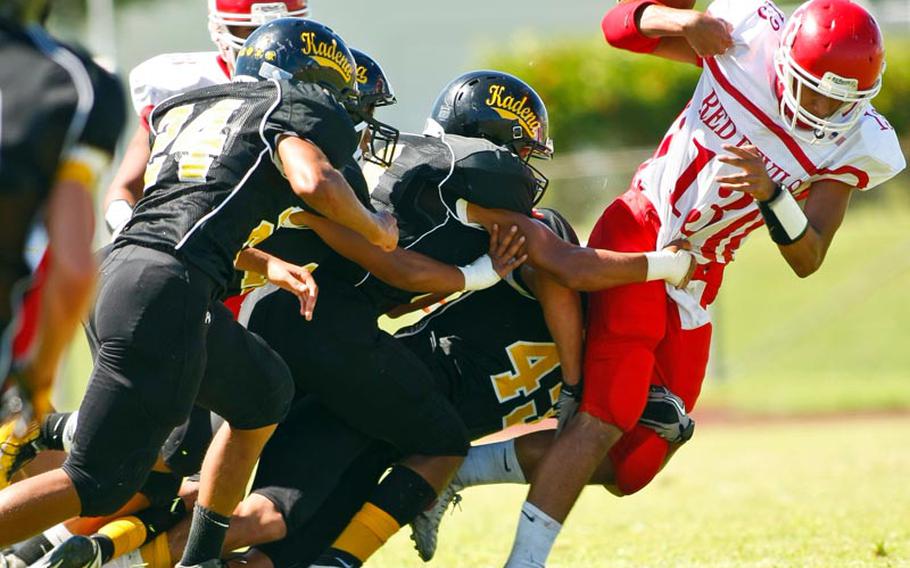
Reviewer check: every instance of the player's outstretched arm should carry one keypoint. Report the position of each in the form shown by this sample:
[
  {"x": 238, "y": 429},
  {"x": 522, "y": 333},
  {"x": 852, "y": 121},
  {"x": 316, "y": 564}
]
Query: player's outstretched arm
[
  {"x": 320, "y": 185},
  {"x": 802, "y": 236},
  {"x": 582, "y": 268},
  {"x": 414, "y": 271},
  {"x": 126, "y": 188},
  {"x": 670, "y": 30}
]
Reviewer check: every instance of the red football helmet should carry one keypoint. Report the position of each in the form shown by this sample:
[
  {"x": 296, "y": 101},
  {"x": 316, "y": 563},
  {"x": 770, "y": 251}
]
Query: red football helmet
[
  {"x": 224, "y": 15},
  {"x": 834, "y": 48}
]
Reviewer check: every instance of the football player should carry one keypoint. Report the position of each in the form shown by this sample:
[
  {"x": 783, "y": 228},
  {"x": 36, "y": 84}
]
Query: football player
[
  {"x": 782, "y": 113},
  {"x": 61, "y": 116},
  {"x": 486, "y": 126},
  {"x": 169, "y": 74},
  {"x": 223, "y": 158}
]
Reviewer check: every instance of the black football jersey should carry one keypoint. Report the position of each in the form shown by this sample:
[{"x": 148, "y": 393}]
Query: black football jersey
[
  {"x": 53, "y": 99},
  {"x": 296, "y": 244},
  {"x": 492, "y": 351},
  {"x": 214, "y": 183},
  {"x": 60, "y": 118},
  {"x": 427, "y": 177}
]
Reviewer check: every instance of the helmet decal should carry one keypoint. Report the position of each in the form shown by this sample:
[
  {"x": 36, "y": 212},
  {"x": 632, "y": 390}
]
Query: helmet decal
[
  {"x": 328, "y": 55},
  {"x": 510, "y": 108}
]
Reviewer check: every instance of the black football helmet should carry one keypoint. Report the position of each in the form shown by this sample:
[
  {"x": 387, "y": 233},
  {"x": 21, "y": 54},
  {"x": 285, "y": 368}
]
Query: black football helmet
[
  {"x": 500, "y": 108},
  {"x": 374, "y": 90},
  {"x": 372, "y": 82},
  {"x": 302, "y": 50}
]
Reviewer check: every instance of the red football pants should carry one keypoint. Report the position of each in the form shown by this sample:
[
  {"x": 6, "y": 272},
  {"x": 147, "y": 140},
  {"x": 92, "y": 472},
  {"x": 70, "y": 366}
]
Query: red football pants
[{"x": 634, "y": 340}]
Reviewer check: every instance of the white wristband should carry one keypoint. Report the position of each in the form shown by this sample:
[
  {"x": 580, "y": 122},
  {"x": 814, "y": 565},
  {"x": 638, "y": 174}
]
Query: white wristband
[
  {"x": 461, "y": 211},
  {"x": 788, "y": 213},
  {"x": 480, "y": 274},
  {"x": 670, "y": 266},
  {"x": 117, "y": 214}
]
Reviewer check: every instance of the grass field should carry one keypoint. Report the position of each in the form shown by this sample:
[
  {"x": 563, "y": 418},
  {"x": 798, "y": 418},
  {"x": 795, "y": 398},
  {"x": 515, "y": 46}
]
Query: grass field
[{"x": 821, "y": 493}]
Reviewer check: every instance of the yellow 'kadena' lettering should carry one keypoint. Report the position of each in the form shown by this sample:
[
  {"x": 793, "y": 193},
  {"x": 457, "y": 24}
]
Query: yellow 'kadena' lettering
[
  {"x": 531, "y": 361},
  {"x": 515, "y": 109}
]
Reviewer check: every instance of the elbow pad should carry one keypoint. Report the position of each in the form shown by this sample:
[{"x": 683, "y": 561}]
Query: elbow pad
[{"x": 620, "y": 31}]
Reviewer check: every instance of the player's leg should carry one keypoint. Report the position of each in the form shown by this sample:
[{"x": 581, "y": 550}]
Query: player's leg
[
  {"x": 681, "y": 361},
  {"x": 308, "y": 540},
  {"x": 250, "y": 386},
  {"x": 378, "y": 387},
  {"x": 415, "y": 481},
  {"x": 143, "y": 374},
  {"x": 625, "y": 325}
]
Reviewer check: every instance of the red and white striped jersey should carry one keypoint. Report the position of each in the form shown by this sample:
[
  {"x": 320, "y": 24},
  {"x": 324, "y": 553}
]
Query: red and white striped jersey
[
  {"x": 169, "y": 74},
  {"x": 735, "y": 102}
]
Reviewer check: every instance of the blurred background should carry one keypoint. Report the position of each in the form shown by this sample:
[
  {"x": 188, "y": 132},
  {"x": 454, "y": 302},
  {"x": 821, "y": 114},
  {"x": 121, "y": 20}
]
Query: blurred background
[{"x": 798, "y": 366}]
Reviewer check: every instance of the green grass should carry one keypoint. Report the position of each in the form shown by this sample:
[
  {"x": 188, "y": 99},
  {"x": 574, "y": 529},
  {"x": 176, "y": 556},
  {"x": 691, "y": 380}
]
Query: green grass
[
  {"x": 835, "y": 341},
  {"x": 826, "y": 493}
]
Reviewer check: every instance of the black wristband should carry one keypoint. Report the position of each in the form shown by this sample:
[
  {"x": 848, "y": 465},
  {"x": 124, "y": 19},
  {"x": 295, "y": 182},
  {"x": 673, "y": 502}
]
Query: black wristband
[
  {"x": 573, "y": 391},
  {"x": 779, "y": 233}
]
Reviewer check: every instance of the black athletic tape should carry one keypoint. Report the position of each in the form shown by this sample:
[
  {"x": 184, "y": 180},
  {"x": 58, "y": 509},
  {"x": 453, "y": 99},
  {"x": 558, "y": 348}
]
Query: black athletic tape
[{"x": 778, "y": 233}]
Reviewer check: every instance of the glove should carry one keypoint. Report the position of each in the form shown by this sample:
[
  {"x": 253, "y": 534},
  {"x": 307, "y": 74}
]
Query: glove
[{"x": 567, "y": 404}]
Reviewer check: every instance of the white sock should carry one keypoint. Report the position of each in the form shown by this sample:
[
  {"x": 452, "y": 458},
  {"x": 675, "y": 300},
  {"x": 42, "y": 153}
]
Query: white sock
[
  {"x": 57, "y": 534},
  {"x": 491, "y": 463},
  {"x": 536, "y": 533}
]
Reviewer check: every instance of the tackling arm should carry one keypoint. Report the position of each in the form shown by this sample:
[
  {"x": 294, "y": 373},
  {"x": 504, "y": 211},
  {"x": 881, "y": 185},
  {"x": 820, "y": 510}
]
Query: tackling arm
[
  {"x": 582, "y": 268},
  {"x": 411, "y": 270},
  {"x": 320, "y": 185}
]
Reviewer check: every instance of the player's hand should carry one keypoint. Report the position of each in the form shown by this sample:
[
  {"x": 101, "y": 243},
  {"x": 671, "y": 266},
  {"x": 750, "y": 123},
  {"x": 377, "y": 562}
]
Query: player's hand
[
  {"x": 386, "y": 231},
  {"x": 753, "y": 179},
  {"x": 567, "y": 404},
  {"x": 297, "y": 280},
  {"x": 506, "y": 250},
  {"x": 683, "y": 245},
  {"x": 707, "y": 35}
]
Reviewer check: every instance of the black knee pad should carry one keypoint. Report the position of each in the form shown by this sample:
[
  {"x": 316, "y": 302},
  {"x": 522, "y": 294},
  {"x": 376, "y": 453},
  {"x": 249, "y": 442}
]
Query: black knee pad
[
  {"x": 443, "y": 433},
  {"x": 160, "y": 488},
  {"x": 102, "y": 491}
]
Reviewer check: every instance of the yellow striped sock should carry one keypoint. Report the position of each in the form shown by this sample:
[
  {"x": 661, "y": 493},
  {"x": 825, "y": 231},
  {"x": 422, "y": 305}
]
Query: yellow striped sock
[
  {"x": 127, "y": 534},
  {"x": 367, "y": 532}
]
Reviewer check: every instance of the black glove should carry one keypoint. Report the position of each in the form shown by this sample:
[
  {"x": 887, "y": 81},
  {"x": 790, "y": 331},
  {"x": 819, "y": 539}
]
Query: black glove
[{"x": 567, "y": 404}]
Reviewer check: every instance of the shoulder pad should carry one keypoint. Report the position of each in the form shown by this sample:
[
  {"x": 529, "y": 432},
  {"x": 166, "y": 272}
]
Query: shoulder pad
[
  {"x": 169, "y": 74},
  {"x": 490, "y": 175}
]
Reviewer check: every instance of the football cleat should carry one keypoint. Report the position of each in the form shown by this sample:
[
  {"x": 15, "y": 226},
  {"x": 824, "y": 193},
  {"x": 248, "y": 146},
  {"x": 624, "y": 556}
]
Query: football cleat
[
  {"x": 665, "y": 413},
  {"x": 425, "y": 526},
  {"x": 10, "y": 560},
  {"x": 76, "y": 552},
  {"x": 16, "y": 451}
]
